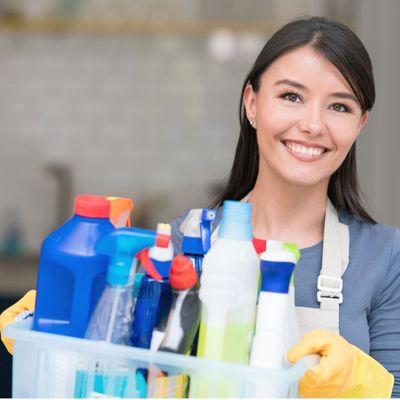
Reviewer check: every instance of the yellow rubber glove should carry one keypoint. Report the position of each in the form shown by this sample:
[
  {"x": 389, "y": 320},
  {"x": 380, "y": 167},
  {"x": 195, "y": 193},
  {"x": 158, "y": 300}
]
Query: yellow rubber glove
[
  {"x": 343, "y": 371},
  {"x": 27, "y": 303}
]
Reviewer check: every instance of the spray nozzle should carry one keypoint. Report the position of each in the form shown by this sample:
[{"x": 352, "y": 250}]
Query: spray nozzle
[
  {"x": 121, "y": 209},
  {"x": 163, "y": 235},
  {"x": 196, "y": 229},
  {"x": 156, "y": 261},
  {"x": 122, "y": 245},
  {"x": 207, "y": 217}
]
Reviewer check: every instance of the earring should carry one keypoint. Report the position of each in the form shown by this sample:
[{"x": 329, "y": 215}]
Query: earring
[{"x": 251, "y": 122}]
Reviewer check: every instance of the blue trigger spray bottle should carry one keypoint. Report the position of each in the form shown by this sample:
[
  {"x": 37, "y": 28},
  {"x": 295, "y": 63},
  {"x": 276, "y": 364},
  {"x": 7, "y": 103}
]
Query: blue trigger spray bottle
[
  {"x": 196, "y": 229},
  {"x": 112, "y": 318},
  {"x": 155, "y": 296}
]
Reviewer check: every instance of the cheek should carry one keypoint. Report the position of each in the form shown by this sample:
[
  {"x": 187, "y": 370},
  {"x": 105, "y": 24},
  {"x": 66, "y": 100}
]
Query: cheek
[
  {"x": 273, "y": 120},
  {"x": 343, "y": 135}
]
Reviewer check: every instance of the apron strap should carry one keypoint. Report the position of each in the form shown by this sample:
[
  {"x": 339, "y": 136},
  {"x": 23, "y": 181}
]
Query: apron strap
[{"x": 335, "y": 258}]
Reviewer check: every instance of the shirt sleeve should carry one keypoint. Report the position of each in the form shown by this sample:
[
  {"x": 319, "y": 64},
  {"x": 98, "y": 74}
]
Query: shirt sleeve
[{"x": 384, "y": 318}]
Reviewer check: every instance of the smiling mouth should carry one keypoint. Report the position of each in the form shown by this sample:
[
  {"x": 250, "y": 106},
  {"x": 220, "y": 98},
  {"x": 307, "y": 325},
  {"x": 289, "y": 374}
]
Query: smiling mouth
[{"x": 306, "y": 152}]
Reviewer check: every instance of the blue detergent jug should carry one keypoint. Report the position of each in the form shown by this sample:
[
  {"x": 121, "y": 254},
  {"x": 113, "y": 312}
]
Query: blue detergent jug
[{"x": 72, "y": 274}]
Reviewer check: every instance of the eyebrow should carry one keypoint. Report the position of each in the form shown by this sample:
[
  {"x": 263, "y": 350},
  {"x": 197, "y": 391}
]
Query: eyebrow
[{"x": 341, "y": 95}]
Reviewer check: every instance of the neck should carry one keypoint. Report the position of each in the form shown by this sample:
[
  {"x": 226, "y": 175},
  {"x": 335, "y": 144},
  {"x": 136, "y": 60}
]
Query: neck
[{"x": 288, "y": 213}]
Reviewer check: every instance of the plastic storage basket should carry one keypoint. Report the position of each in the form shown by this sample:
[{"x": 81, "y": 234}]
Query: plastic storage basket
[{"x": 48, "y": 365}]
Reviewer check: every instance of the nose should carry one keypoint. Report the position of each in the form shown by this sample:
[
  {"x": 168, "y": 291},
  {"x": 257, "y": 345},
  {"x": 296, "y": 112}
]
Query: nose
[{"x": 312, "y": 123}]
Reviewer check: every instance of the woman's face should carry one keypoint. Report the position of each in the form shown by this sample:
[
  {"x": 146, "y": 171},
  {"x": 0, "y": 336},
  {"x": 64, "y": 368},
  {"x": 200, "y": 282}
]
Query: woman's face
[{"x": 306, "y": 117}]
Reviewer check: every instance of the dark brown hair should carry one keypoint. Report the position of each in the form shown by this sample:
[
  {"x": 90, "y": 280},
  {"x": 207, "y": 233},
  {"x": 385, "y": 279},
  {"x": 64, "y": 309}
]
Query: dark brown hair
[{"x": 341, "y": 46}]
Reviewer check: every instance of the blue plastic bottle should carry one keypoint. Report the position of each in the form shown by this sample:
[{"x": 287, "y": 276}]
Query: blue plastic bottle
[
  {"x": 155, "y": 296},
  {"x": 72, "y": 274}
]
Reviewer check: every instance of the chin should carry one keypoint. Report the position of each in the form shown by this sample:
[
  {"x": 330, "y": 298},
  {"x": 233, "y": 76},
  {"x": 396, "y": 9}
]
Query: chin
[{"x": 306, "y": 179}]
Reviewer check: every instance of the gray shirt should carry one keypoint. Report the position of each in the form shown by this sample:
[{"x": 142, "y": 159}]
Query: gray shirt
[{"x": 370, "y": 313}]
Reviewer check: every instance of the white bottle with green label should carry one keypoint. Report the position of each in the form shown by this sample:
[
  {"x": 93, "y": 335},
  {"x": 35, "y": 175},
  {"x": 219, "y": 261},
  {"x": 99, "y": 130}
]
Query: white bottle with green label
[
  {"x": 229, "y": 288},
  {"x": 269, "y": 349}
]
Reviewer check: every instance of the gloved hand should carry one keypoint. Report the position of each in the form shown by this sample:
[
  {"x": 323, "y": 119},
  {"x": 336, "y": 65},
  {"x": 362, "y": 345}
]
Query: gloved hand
[
  {"x": 27, "y": 303},
  {"x": 343, "y": 371}
]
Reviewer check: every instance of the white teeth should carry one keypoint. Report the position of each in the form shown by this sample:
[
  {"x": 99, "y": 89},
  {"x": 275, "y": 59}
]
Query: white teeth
[{"x": 297, "y": 148}]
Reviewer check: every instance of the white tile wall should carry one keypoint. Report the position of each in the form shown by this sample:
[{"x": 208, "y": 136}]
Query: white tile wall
[
  {"x": 156, "y": 117},
  {"x": 135, "y": 116}
]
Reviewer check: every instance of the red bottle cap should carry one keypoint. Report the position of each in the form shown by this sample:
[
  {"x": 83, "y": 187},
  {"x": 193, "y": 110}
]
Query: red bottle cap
[
  {"x": 91, "y": 206},
  {"x": 182, "y": 274}
]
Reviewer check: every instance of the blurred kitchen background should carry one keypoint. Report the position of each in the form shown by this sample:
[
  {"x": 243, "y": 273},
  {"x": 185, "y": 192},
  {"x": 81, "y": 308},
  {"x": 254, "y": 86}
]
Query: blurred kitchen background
[{"x": 139, "y": 98}]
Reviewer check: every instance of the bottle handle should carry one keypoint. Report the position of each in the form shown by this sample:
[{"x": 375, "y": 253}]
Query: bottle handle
[{"x": 81, "y": 310}]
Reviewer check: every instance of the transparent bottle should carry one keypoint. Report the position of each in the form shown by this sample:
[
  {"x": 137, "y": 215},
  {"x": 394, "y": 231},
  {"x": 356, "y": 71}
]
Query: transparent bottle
[{"x": 112, "y": 318}]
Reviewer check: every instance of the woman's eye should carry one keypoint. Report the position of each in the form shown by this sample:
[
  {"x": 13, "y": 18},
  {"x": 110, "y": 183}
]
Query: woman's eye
[
  {"x": 293, "y": 97},
  {"x": 340, "y": 107}
]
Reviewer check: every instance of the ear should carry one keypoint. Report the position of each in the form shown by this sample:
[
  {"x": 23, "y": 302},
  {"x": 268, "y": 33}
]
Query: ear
[
  {"x": 249, "y": 101},
  {"x": 363, "y": 121}
]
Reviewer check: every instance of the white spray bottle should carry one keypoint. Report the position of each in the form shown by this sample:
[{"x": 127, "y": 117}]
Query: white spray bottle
[
  {"x": 229, "y": 287},
  {"x": 277, "y": 265},
  {"x": 269, "y": 347}
]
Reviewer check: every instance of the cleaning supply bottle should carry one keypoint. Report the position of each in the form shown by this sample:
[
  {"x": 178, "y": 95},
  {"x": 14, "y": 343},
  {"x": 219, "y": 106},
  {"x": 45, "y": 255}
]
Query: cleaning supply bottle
[
  {"x": 112, "y": 317},
  {"x": 154, "y": 298},
  {"x": 72, "y": 274},
  {"x": 229, "y": 288},
  {"x": 196, "y": 230},
  {"x": 184, "y": 317},
  {"x": 178, "y": 332},
  {"x": 277, "y": 265},
  {"x": 269, "y": 347}
]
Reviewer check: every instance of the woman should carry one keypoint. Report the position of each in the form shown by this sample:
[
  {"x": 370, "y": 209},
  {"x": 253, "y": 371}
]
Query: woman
[{"x": 303, "y": 105}]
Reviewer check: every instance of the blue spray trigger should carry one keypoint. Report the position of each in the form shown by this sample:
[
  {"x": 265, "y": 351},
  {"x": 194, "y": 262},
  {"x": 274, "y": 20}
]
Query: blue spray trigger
[
  {"x": 207, "y": 217},
  {"x": 122, "y": 245}
]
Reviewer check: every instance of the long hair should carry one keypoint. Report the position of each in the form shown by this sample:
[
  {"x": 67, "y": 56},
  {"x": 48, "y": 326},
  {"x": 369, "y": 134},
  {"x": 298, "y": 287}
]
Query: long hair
[{"x": 341, "y": 46}]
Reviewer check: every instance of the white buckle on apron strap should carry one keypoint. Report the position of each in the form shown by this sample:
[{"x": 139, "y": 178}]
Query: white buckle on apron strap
[{"x": 330, "y": 287}]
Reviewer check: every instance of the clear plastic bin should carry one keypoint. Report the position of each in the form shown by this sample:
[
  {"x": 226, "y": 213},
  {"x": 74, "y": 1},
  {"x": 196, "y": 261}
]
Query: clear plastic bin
[{"x": 47, "y": 365}]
